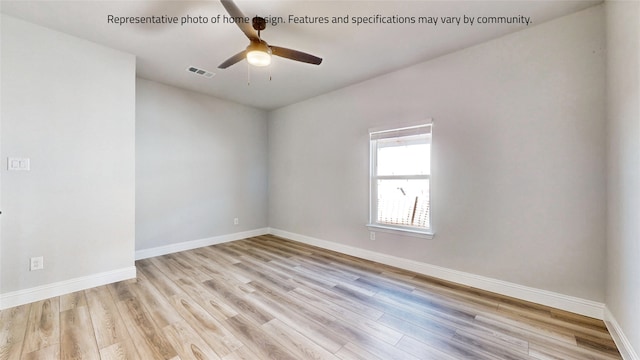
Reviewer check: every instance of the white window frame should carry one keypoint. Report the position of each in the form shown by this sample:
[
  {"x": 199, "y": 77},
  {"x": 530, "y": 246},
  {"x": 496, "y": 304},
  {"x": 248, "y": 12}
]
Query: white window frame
[{"x": 390, "y": 132}]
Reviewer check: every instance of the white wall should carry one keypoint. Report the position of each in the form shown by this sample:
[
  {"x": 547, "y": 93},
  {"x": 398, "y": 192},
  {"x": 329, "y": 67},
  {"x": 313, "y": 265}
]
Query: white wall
[
  {"x": 623, "y": 116},
  {"x": 518, "y": 158},
  {"x": 69, "y": 106},
  {"x": 200, "y": 163}
]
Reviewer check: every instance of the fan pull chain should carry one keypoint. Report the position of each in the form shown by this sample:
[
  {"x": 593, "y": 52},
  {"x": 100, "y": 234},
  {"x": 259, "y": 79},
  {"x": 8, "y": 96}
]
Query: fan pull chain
[
  {"x": 269, "y": 66},
  {"x": 248, "y": 74}
]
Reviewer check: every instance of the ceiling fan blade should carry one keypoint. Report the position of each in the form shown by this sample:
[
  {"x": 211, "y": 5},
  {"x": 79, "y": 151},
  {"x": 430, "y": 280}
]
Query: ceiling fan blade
[
  {"x": 295, "y": 55},
  {"x": 234, "y": 59},
  {"x": 235, "y": 13}
]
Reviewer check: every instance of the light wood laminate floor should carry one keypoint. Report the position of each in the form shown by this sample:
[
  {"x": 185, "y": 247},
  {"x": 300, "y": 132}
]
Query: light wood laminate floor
[{"x": 269, "y": 298}]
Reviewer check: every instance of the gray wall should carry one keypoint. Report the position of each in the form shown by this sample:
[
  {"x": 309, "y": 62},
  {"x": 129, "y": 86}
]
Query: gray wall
[
  {"x": 518, "y": 158},
  {"x": 623, "y": 116},
  {"x": 200, "y": 163},
  {"x": 69, "y": 106}
]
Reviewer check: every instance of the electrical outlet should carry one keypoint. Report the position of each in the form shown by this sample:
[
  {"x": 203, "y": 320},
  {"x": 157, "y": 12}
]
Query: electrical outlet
[
  {"x": 372, "y": 235},
  {"x": 236, "y": 221},
  {"x": 37, "y": 263}
]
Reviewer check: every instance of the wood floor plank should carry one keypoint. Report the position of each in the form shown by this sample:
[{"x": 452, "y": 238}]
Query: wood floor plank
[
  {"x": 107, "y": 324},
  {"x": 184, "y": 263},
  {"x": 456, "y": 295},
  {"x": 525, "y": 325},
  {"x": 112, "y": 337},
  {"x": 211, "y": 329},
  {"x": 329, "y": 340},
  {"x": 279, "y": 254},
  {"x": 329, "y": 270},
  {"x": 118, "y": 351},
  {"x": 170, "y": 269},
  {"x": 12, "y": 331},
  {"x": 158, "y": 307},
  {"x": 350, "y": 351},
  {"x": 146, "y": 336},
  {"x": 258, "y": 340},
  {"x": 243, "y": 353},
  {"x": 269, "y": 298},
  {"x": 356, "y": 321},
  {"x": 353, "y": 331},
  {"x": 541, "y": 340},
  {"x": 188, "y": 343},
  {"x": 237, "y": 300},
  {"x": 546, "y": 353},
  {"x": 212, "y": 303},
  {"x": 587, "y": 322},
  {"x": 11, "y": 351},
  {"x": 337, "y": 326},
  {"x": 48, "y": 352},
  {"x": 256, "y": 272},
  {"x": 423, "y": 337},
  {"x": 219, "y": 254},
  {"x": 597, "y": 343},
  {"x": 427, "y": 304},
  {"x": 209, "y": 256},
  {"x": 501, "y": 350},
  {"x": 160, "y": 280},
  {"x": 120, "y": 290},
  {"x": 214, "y": 270},
  {"x": 309, "y": 276},
  {"x": 568, "y": 327},
  {"x": 433, "y": 319},
  {"x": 297, "y": 343},
  {"x": 43, "y": 327},
  {"x": 436, "y": 350},
  {"x": 77, "y": 338},
  {"x": 292, "y": 304},
  {"x": 504, "y": 340},
  {"x": 381, "y": 348},
  {"x": 363, "y": 309},
  {"x": 72, "y": 301}
]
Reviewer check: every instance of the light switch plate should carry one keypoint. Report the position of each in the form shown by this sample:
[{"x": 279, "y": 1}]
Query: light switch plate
[{"x": 18, "y": 164}]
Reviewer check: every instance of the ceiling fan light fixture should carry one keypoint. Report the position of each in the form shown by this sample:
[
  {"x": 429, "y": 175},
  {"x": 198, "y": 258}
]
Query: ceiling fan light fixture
[
  {"x": 258, "y": 58},
  {"x": 258, "y": 54}
]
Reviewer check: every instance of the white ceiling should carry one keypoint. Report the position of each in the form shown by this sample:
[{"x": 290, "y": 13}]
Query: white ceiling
[{"x": 351, "y": 53}]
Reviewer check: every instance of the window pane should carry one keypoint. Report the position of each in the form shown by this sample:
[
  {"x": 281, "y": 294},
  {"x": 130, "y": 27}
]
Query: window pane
[
  {"x": 408, "y": 159},
  {"x": 404, "y": 202}
]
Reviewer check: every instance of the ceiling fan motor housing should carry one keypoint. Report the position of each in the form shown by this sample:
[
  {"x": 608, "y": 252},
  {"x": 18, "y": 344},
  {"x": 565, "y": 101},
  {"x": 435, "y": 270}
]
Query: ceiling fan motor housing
[{"x": 259, "y": 23}]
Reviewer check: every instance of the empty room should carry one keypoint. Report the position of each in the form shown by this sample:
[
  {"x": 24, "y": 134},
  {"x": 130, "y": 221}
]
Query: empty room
[{"x": 341, "y": 180}]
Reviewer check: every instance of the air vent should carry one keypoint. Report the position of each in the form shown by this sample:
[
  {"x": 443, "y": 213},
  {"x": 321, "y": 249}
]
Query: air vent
[{"x": 201, "y": 72}]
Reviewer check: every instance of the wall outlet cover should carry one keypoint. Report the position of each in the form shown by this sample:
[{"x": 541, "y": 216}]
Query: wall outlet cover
[{"x": 37, "y": 263}]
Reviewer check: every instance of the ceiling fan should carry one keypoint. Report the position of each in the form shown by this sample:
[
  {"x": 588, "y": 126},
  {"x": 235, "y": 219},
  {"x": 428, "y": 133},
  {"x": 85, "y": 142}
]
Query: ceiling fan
[{"x": 258, "y": 53}]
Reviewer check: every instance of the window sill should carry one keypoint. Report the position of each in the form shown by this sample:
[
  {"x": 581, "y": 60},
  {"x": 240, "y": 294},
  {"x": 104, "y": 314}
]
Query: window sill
[{"x": 401, "y": 231}]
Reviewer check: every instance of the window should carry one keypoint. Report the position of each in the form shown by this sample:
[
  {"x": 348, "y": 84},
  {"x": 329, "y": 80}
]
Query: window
[{"x": 401, "y": 178}]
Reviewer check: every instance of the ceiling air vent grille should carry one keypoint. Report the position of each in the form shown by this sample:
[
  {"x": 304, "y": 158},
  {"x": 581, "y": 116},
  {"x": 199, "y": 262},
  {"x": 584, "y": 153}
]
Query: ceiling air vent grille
[{"x": 201, "y": 72}]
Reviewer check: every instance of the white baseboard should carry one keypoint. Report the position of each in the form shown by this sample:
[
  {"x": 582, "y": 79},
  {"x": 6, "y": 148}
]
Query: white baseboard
[
  {"x": 194, "y": 244},
  {"x": 38, "y": 293},
  {"x": 622, "y": 342},
  {"x": 543, "y": 297},
  {"x": 548, "y": 298}
]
